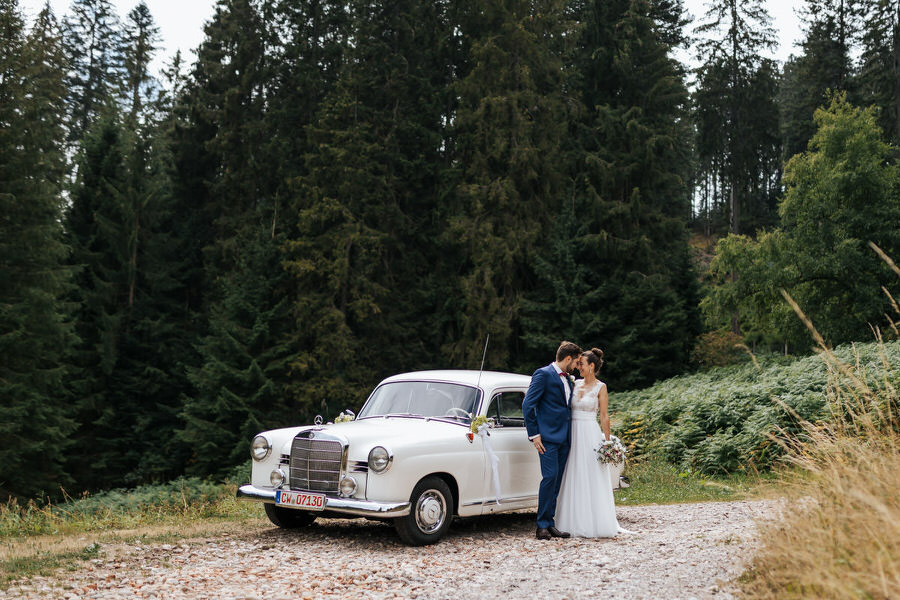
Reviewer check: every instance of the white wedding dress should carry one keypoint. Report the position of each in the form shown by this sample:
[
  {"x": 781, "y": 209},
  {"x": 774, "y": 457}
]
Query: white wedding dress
[{"x": 585, "y": 505}]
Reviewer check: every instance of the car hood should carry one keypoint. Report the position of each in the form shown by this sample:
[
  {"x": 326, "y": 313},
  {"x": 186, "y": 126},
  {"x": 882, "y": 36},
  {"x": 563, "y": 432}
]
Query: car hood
[{"x": 364, "y": 434}]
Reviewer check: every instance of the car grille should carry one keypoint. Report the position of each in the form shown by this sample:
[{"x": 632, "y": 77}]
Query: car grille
[{"x": 315, "y": 464}]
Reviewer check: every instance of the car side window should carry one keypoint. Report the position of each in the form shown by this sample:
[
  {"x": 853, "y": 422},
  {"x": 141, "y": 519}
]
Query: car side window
[{"x": 506, "y": 409}]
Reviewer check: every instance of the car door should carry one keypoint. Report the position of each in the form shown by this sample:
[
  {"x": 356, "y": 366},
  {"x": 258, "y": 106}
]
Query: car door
[{"x": 519, "y": 466}]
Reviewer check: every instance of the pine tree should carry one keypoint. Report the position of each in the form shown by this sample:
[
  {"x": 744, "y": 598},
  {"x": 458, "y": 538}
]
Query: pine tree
[
  {"x": 736, "y": 116},
  {"x": 832, "y": 30},
  {"x": 879, "y": 73},
  {"x": 35, "y": 334},
  {"x": 618, "y": 273},
  {"x": 92, "y": 38},
  {"x": 363, "y": 253},
  {"x": 507, "y": 140}
]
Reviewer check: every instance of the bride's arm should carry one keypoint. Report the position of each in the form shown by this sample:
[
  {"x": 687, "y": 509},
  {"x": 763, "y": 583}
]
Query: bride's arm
[{"x": 603, "y": 409}]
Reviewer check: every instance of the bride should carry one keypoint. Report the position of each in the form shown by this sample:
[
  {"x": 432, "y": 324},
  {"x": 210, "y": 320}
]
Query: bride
[{"x": 585, "y": 506}]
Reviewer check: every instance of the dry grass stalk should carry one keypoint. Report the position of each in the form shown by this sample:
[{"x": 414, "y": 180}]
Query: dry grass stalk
[{"x": 841, "y": 536}]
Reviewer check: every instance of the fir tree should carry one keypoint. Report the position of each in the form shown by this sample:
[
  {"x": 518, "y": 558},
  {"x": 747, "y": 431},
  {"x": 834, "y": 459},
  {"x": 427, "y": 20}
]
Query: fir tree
[
  {"x": 736, "y": 116},
  {"x": 508, "y": 134},
  {"x": 879, "y": 73},
  {"x": 832, "y": 29},
  {"x": 91, "y": 35},
  {"x": 35, "y": 334},
  {"x": 618, "y": 274},
  {"x": 363, "y": 253}
]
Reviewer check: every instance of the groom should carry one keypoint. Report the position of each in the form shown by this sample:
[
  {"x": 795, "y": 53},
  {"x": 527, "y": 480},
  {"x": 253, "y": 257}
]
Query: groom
[{"x": 546, "y": 410}]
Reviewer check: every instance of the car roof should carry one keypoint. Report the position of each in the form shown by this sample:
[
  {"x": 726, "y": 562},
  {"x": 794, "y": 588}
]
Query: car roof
[{"x": 488, "y": 379}]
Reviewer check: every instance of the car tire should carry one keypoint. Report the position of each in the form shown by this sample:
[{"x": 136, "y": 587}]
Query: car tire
[
  {"x": 430, "y": 513},
  {"x": 289, "y": 518}
]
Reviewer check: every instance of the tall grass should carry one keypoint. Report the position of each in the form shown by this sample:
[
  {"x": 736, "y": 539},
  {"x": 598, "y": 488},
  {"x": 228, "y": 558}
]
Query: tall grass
[
  {"x": 181, "y": 500},
  {"x": 39, "y": 537},
  {"x": 839, "y": 535}
]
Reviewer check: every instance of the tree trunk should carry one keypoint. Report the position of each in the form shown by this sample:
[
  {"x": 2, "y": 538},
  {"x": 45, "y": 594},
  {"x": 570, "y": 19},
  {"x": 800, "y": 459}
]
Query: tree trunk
[{"x": 735, "y": 216}]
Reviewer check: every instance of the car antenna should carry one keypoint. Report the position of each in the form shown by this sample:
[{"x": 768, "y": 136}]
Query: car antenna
[{"x": 483, "y": 355}]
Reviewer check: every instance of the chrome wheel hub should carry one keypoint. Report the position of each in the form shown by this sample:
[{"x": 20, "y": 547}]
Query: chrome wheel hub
[{"x": 431, "y": 511}]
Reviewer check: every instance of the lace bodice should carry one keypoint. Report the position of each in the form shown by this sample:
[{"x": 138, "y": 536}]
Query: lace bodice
[{"x": 586, "y": 399}]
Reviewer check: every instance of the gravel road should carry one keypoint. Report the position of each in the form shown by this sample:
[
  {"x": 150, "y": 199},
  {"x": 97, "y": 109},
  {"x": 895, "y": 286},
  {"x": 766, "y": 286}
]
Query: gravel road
[{"x": 679, "y": 551}]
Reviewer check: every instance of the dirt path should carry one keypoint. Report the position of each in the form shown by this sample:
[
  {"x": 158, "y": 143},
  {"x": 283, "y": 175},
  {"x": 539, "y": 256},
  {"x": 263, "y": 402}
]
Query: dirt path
[{"x": 679, "y": 551}]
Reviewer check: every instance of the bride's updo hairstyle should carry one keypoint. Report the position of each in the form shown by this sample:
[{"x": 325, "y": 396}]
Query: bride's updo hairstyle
[{"x": 595, "y": 357}]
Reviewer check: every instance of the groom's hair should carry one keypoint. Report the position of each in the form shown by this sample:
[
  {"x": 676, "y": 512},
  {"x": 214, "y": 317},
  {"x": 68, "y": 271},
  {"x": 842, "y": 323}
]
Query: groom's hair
[{"x": 567, "y": 349}]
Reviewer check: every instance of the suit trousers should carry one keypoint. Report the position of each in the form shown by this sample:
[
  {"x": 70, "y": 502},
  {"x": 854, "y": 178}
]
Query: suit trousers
[{"x": 553, "y": 463}]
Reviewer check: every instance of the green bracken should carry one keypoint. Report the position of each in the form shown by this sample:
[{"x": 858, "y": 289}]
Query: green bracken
[{"x": 729, "y": 419}]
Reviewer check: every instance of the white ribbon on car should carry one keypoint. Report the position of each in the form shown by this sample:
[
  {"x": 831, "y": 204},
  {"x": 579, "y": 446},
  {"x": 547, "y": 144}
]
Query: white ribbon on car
[{"x": 495, "y": 460}]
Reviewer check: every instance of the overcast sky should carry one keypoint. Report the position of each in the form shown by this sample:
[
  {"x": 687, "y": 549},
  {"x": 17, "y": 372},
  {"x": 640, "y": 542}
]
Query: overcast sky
[{"x": 181, "y": 22}]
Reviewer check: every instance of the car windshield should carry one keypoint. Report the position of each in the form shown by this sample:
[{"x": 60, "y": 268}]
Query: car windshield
[{"x": 422, "y": 398}]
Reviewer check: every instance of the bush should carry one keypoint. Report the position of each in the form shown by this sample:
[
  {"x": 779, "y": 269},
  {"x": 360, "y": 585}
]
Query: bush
[
  {"x": 728, "y": 419},
  {"x": 718, "y": 349}
]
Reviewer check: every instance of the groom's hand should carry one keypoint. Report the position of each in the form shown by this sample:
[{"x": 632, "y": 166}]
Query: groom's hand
[{"x": 538, "y": 444}]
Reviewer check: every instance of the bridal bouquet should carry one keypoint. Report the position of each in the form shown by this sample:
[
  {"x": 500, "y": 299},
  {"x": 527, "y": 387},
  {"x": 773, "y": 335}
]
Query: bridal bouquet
[
  {"x": 344, "y": 417},
  {"x": 611, "y": 451}
]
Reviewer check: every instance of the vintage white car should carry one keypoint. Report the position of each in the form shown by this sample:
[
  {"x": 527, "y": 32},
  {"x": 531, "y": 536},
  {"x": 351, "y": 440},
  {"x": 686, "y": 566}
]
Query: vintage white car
[{"x": 409, "y": 456}]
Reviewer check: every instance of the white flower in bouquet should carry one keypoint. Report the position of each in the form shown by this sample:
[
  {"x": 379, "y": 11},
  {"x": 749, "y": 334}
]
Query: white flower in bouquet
[
  {"x": 344, "y": 417},
  {"x": 611, "y": 451}
]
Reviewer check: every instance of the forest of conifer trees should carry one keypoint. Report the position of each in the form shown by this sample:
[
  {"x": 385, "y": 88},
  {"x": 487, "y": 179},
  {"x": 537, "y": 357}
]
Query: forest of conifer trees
[{"x": 334, "y": 192}]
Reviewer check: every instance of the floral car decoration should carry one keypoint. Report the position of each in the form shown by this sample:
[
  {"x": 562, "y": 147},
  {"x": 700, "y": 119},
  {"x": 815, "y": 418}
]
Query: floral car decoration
[{"x": 411, "y": 456}]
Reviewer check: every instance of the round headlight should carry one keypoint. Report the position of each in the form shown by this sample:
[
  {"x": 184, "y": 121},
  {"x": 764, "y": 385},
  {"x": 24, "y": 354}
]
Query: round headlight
[
  {"x": 276, "y": 477},
  {"x": 348, "y": 486},
  {"x": 260, "y": 447},
  {"x": 379, "y": 459}
]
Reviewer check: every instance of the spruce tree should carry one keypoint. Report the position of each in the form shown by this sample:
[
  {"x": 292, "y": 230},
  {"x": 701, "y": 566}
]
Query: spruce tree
[
  {"x": 878, "y": 80},
  {"x": 508, "y": 135},
  {"x": 91, "y": 32},
  {"x": 364, "y": 250},
  {"x": 35, "y": 333},
  {"x": 832, "y": 30},
  {"x": 139, "y": 44},
  {"x": 618, "y": 273},
  {"x": 134, "y": 319},
  {"x": 240, "y": 386},
  {"x": 239, "y": 145},
  {"x": 736, "y": 117}
]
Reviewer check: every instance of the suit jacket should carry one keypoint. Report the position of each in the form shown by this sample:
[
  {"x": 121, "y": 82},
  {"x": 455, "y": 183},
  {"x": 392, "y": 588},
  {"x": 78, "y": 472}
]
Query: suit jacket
[{"x": 545, "y": 408}]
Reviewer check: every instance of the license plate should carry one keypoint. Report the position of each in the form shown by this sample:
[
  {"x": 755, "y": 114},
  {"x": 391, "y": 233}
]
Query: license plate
[{"x": 303, "y": 500}]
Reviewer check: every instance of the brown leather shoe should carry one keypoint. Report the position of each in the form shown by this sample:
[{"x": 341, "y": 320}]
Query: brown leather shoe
[
  {"x": 557, "y": 533},
  {"x": 543, "y": 534}
]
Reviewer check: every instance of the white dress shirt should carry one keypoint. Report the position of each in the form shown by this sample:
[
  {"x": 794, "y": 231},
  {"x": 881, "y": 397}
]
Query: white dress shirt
[{"x": 565, "y": 382}]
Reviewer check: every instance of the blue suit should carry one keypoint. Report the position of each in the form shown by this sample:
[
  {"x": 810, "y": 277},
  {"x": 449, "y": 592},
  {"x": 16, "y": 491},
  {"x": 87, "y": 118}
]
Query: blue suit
[{"x": 547, "y": 414}]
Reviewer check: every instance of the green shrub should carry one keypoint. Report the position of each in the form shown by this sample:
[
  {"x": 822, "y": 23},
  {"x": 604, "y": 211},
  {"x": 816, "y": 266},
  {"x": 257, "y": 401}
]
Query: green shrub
[
  {"x": 718, "y": 349},
  {"x": 726, "y": 419}
]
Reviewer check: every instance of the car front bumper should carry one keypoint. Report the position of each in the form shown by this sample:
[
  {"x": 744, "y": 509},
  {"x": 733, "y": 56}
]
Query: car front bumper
[{"x": 346, "y": 506}]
